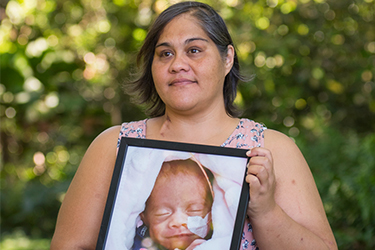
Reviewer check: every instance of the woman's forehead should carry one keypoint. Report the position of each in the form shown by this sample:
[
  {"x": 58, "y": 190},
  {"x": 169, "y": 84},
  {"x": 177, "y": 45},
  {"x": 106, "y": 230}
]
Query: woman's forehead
[{"x": 182, "y": 27}]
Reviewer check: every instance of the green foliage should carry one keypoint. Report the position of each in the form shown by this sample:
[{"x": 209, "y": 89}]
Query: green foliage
[
  {"x": 63, "y": 63},
  {"x": 343, "y": 166},
  {"x": 314, "y": 63},
  {"x": 19, "y": 241}
]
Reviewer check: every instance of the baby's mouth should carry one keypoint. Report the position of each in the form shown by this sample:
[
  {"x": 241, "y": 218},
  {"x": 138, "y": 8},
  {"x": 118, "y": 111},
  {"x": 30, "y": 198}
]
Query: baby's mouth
[{"x": 181, "y": 235}]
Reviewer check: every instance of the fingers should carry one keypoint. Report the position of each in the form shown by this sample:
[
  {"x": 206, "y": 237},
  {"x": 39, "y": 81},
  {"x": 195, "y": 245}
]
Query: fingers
[
  {"x": 260, "y": 166},
  {"x": 261, "y": 178},
  {"x": 258, "y": 174},
  {"x": 259, "y": 152},
  {"x": 253, "y": 182}
]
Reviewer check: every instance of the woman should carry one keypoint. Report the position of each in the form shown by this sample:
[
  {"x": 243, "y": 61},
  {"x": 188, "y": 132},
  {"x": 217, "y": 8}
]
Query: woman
[{"x": 189, "y": 79}]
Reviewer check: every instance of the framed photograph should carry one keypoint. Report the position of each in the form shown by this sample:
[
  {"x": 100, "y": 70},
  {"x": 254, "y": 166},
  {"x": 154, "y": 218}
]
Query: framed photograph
[{"x": 168, "y": 195}]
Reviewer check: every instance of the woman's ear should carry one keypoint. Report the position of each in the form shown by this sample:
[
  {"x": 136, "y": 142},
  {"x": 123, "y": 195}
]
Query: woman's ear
[{"x": 229, "y": 59}]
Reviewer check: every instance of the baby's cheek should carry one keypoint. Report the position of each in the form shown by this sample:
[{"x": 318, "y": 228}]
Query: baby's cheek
[{"x": 156, "y": 232}]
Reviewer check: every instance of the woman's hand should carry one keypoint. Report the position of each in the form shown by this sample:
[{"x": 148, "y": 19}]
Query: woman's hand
[{"x": 261, "y": 178}]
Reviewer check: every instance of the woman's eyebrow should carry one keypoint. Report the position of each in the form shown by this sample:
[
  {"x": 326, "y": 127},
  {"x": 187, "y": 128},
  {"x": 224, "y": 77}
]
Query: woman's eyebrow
[
  {"x": 187, "y": 41},
  {"x": 163, "y": 44},
  {"x": 195, "y": 39}
]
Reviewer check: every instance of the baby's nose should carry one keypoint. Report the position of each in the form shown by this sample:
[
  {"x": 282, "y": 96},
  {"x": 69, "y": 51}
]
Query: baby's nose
[{"x": 178, "y": 219}]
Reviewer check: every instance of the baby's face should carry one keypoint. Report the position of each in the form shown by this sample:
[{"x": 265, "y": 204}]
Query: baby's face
[{"x": 172, "y": 200}]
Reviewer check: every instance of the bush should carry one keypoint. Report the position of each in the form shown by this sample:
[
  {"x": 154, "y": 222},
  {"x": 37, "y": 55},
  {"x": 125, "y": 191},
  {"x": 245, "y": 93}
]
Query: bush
[{"x": 343, "y": 166}]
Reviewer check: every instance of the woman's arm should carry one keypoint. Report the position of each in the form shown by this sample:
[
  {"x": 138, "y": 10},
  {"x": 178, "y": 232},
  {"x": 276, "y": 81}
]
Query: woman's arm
[
  {"x": 81, "y": 212},
  {"x": 285, "y": 208}
]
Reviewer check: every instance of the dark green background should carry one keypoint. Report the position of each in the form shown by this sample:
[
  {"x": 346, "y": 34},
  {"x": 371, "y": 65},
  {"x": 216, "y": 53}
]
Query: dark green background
[{"x": 63, "y": 64}]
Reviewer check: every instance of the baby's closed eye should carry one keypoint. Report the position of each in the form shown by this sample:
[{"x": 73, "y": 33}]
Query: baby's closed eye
[
  {"x": 162, "y": 212},
  {"x": 195, "y": 210}
]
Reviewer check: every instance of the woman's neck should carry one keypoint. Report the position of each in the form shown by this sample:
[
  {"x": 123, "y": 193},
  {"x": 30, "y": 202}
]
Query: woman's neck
[{"x": 207, "y": 129}]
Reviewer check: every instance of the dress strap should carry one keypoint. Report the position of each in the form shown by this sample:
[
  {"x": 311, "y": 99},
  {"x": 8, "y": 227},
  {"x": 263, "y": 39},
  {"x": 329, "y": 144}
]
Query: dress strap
[
  {"x": 248, "y": 134},
  {"x": 135, "y": 129}
]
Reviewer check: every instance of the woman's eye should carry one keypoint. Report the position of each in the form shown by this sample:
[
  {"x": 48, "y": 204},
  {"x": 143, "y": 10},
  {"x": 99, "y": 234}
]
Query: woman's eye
[
  {"x": 166, "y": 54},
  {"x": 194, "y": 51}
]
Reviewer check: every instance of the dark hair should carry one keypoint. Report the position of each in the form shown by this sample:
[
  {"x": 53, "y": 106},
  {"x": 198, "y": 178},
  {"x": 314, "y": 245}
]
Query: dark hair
[{"x": 143, "y": 88}]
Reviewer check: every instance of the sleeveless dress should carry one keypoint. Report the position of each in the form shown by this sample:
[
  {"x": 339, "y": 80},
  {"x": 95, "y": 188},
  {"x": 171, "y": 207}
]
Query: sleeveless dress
[{"x": 248, "y": 134}]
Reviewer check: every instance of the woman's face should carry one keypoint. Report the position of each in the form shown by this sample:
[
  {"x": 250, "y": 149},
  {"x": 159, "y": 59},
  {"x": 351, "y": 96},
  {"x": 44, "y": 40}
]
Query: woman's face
[{"x": 187, "y": 68}]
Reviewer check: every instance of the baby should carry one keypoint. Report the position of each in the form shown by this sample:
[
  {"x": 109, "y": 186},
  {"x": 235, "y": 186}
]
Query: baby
[{"x": 177, "y": 213}]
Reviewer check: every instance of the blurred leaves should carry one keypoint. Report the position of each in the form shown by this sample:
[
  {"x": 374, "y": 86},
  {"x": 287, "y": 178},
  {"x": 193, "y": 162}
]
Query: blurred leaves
[
  {"x": 313, "y": 63},
  {"x": 63, "y": 63},
  {"x": 19, "y": 241},
  {"x": 344, "y": 168}
]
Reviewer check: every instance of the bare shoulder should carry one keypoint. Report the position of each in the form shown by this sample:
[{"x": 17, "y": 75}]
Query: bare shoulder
[
  {"x": 290, "y": 166},
  {"x": 296, "y": 192},
  {"x": 80, "y": 215},
  {"x": 286, "y": 154},
  {"x": 107, "y": 137},
  {"x": 101, "y": 150},
  {"x": 276, "y": 140}
]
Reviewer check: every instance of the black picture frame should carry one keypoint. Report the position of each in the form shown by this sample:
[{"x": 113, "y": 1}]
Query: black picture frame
[{"x": 131, "y": 185}]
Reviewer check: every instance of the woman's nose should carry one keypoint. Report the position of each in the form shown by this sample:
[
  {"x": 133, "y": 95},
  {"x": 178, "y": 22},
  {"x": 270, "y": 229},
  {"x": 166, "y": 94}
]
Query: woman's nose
[
  {"x": 179, "y": 63},
  {"x": 178, "y": 219}
]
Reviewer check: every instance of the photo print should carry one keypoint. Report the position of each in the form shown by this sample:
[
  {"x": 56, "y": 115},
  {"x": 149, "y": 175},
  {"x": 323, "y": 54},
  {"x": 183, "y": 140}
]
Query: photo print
[{"x": 168, "y": 195}]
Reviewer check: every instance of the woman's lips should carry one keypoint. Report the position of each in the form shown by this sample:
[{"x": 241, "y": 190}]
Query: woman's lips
[{"x": 181, "y": 82}]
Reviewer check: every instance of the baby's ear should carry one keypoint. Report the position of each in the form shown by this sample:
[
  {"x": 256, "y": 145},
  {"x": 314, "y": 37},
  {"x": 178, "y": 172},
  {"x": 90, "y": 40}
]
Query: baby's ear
[
  {"x": 143, "y": 218},
  {"x": 209, "y": 220}
]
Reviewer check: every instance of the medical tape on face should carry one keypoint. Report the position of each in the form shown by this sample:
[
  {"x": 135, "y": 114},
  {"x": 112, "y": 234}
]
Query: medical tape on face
[{"x": 198, "y": 225}]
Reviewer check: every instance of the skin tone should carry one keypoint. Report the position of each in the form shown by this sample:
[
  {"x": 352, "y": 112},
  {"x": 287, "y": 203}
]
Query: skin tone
[
  {"x": 285, "y": 205},
  {"x": 173, "y": 199}
]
